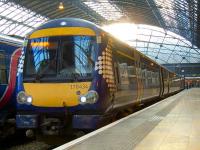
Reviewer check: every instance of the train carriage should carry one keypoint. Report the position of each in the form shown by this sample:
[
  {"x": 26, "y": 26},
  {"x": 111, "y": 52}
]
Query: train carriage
[
  {"x": 75, "y": 73},
  {"x": 9, "y": 55}
]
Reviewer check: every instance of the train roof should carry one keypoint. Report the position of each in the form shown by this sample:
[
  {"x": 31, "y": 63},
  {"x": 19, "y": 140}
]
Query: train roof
[
  {"x": 67, "y": 22},
  {"x": 11, "y": 40},
  {"x": 140, "y": 53},
  {"x": 75, "y": 22}
]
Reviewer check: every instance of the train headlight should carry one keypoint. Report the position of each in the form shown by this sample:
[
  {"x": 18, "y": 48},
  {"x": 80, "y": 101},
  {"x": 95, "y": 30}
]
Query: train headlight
[
  {"x": 29, "y": 99},
  {"x": 90, "y": 98},
  {"x": 83, "y": 99},
  {"x": 23, "y": 98}
]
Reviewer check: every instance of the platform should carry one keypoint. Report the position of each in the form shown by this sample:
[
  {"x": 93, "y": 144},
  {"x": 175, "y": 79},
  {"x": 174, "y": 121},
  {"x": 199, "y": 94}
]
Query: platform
[{"x": 171, "y": 124}]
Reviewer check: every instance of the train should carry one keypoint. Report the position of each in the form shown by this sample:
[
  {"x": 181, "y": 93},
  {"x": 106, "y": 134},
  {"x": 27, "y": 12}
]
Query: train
[
  {"x": 73, "y": 74},
  {"x": 10, "y": 51}
]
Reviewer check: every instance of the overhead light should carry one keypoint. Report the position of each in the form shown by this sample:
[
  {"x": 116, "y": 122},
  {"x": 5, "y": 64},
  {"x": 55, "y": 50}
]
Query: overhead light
[{"x": 61, "y": 6}]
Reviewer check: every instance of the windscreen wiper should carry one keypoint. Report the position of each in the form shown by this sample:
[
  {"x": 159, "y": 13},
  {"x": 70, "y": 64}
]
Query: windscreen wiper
[{"x": 75, "y": 76}]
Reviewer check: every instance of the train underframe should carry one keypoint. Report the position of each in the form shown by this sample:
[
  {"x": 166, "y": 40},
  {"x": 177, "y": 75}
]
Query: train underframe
[
  {"x": 7, "y": 124},
  {"x": 59, "y": 124},
  {"x": 64, "y": 122}
]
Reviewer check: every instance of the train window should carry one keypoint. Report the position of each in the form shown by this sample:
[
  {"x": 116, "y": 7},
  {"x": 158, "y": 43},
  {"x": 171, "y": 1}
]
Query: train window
[
  {"x": 144, "y": 78},
  {"x": 131, "y": 72},
  {"x": 154, "y": 78},
  {"x": 60, "y": 58},
  {"x": 41, "y": 56},
  {"x": 151, "y": 74},
  {"x": 78, "y": 55},
  {"x": 125, "y": 70},
  {"x": 3, "y": 75},
  {"x": 123, "y": 73},
  {"x": 116, "y": 73}
]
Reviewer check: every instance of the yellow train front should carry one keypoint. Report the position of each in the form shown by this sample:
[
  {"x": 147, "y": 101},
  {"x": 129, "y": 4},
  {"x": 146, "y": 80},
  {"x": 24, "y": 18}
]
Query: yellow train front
[{"x": 74, "y": 74}]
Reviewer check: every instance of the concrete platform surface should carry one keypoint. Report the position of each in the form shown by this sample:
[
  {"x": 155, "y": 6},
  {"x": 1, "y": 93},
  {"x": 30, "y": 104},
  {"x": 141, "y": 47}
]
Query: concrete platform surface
[{"x": 171, "y": 124}]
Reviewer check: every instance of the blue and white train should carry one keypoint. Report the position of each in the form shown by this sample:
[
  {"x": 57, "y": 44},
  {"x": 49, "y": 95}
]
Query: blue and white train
[{"x": 75, "y": 74}]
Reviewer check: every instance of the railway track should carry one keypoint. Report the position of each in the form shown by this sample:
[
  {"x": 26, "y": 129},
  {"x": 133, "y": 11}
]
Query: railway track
[{"x": 19, "y": 141}]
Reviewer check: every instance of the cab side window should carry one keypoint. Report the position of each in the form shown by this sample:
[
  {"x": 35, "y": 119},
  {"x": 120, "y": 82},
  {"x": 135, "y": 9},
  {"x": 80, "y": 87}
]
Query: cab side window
[{"x": 3, "y": 76}]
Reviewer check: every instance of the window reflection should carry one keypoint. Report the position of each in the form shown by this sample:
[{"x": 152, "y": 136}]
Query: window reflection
[{"x": 62, "y": 57}]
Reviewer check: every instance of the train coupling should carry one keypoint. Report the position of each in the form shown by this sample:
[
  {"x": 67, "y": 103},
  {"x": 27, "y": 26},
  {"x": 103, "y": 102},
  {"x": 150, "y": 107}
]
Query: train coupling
[
  {"x": 51, "y": 126},
  {"x": 29, "y": 133}
]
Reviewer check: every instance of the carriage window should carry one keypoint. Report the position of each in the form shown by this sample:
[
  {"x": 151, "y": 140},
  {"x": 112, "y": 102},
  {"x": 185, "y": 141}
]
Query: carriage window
[
  {"x": 123, "y": 73},
  {"x": 3, "y": 76},
  {"x": 151, "y": 74},
  {"x": 125, "y": 70}
]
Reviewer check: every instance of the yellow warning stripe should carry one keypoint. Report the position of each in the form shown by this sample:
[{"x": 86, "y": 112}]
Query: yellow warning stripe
[{"x": 61, "y": 31}]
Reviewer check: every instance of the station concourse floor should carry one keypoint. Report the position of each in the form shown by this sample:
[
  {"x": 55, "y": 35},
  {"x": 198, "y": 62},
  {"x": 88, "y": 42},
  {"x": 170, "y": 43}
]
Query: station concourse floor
[{"x": 171, "y": 124}]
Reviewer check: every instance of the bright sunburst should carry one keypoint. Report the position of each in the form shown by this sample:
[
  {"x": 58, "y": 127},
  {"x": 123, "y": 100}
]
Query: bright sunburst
[{"x": 122, "y": 31}]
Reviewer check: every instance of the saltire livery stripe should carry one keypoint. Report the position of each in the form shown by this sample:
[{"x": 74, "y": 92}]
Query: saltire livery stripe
[{"x": 12, "y": 78}]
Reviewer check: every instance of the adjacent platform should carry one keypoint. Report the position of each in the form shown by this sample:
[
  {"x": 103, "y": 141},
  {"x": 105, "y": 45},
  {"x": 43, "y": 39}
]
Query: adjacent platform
[{"x": 172, "y": 124}]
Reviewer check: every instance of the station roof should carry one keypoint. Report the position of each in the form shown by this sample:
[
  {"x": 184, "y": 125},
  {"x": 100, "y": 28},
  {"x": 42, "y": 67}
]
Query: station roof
[{"x": 182, "y": 17}]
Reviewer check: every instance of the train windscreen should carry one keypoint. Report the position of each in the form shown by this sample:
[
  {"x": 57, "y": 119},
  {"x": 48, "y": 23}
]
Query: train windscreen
[{"x": 60, "y": 58}]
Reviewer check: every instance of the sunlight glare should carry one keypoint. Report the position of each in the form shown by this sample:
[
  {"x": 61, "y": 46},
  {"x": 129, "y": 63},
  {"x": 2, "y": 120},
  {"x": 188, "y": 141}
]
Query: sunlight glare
[{"x": 123, "y": 31}]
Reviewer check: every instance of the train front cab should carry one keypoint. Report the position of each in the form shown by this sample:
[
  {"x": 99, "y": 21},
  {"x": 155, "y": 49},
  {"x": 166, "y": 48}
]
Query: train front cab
[{"x": 48, "y": 98}]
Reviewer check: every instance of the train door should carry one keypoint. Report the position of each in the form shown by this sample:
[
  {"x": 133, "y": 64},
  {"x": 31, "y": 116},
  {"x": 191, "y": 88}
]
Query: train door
[
  {"x": 150, "y": 81},
  {"x": 140, "y": 89},
  {"x": 125, "y": 75},
  {"x": 162, "y": 85},
  {"x": 168, "y": 82},
  {"x": 3, "y": 71}
]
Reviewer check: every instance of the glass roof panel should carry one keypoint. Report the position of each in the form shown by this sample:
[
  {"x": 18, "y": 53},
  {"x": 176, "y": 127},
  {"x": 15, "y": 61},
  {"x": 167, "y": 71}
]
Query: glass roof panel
[
  {"x": 5, "y": 12},
  {"x": 105, "y": 8},
  {"x": 180, "y": 16},
  {"x": 161, "y": 45},
  {"x": 153, "y": 45},
  {"x": 24, "y": 31},
  {"x": 19, "y": 19},
  {"x": 4, "y": 26},
  {"x": 16, "y": 29},
  {"x": 3, "y": 21},
  {"x": 11, "y": 28}
]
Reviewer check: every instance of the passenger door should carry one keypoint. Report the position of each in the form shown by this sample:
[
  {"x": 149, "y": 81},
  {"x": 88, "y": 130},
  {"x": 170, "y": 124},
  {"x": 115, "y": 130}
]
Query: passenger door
[{"x": 125, "y": 75}]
